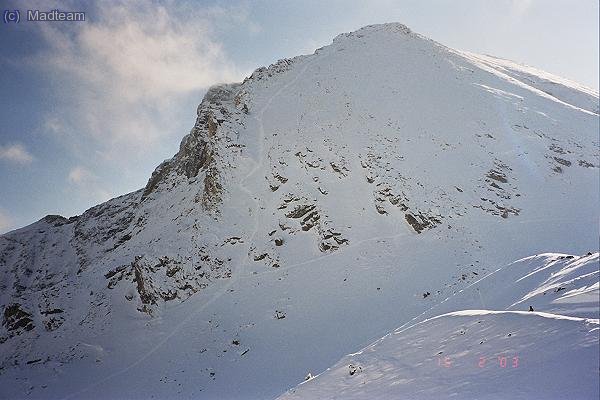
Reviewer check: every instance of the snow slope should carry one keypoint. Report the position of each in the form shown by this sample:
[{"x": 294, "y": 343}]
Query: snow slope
[
  {"x": 305, "y": 215},
  {"x": 554, "y": 86},
  {"x": 483, "y": 354},
  {"x": 476, "y": 354}
]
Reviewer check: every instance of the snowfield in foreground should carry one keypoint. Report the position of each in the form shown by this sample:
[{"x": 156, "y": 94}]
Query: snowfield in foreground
[
  {"x": 475, "y": 354},
  {"x": 484, "y": 354}
]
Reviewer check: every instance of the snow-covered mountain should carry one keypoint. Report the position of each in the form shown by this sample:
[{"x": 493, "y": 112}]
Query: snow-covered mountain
[{"x": 318, "y": 205}]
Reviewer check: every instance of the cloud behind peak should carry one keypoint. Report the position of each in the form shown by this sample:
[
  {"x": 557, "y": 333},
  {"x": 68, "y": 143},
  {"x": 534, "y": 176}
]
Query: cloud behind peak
[{"x": 15, "y": 153}]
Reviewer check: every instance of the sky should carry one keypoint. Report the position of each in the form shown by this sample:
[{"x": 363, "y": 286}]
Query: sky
[{"x": 88, "y": 109}]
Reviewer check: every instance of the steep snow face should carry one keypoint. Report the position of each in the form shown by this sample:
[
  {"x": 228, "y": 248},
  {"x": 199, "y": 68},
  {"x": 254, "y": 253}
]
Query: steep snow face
[
  {"x": 485, "y": 354},
  {"x": 554, "y": 86},
  {"x": 308, "y": 212}
]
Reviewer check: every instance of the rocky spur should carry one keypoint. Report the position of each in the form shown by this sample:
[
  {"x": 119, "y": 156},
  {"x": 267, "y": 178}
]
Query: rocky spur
[{"x": 55, "y": 15}]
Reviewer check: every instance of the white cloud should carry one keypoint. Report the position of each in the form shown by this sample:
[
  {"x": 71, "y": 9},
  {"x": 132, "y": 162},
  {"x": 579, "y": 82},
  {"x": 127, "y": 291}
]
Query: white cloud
[
  {"x": 121, "y": 75},
  {"x": 15, "y": 153},
  {"x": 88, "y": 184},
  {"x": 80, "y": 176}
]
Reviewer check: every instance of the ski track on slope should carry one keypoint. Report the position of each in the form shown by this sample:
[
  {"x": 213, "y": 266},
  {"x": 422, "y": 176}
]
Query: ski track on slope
[{"x": 235, "y": 274}]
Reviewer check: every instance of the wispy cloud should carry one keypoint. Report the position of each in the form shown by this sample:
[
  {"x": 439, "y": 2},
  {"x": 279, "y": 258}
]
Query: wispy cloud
[
  {"x": 80, "y": 176},
  {"x": 123, "y": 73},
  {"x": 15, "y": 153},
  {"x": 87, "y": 183}
]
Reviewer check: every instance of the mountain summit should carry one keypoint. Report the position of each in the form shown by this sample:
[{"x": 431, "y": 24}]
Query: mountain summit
[{"x": 314, "y": 207}]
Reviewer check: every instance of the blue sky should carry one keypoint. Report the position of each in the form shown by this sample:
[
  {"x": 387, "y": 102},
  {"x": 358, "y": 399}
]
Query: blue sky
[{"x": 89, "y": 109}]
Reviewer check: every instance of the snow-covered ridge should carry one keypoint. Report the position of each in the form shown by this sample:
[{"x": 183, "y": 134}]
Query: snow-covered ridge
[
  {"x": 379, "y": 29},
  {"x": 554, "y": 86},
  {"x": 487, "y": 353},
  {"x": 323, "y": 202}
]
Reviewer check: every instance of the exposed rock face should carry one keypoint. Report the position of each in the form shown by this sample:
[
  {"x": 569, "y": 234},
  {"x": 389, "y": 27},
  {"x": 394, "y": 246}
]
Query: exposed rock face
[
  {"x": 200, "y": 149},
  {"x": 16, "y": 319}
]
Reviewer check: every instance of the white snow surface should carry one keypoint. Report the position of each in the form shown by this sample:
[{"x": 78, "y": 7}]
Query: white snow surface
[
  {"x": 306, "y": 214},
  {"x": 482, "y": 353}
]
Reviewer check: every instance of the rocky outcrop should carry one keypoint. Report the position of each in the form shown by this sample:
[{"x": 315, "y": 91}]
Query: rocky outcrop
[
  {"x": 201, "y": 151},
  {"x": 16, "y": 320}
]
